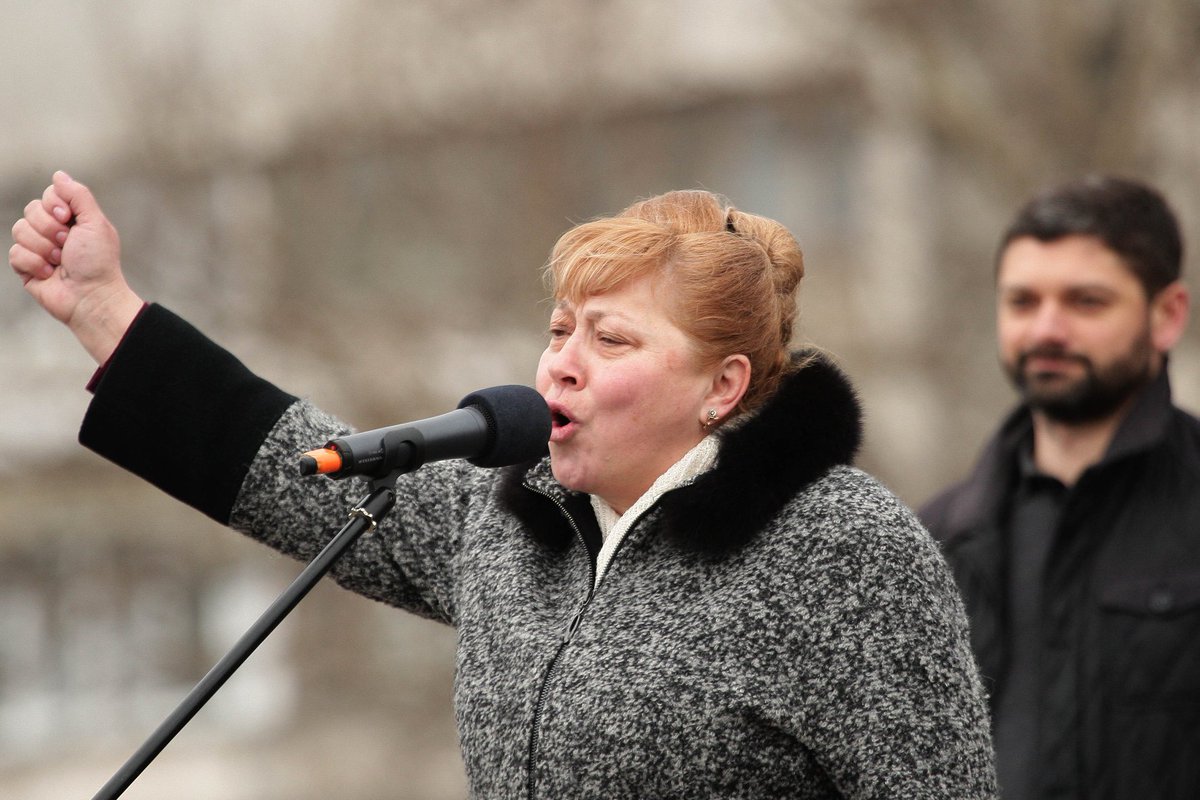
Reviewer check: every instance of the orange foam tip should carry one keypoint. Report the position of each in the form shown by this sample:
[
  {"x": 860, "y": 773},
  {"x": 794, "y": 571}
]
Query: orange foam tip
[{"x": 327, "y": 460}]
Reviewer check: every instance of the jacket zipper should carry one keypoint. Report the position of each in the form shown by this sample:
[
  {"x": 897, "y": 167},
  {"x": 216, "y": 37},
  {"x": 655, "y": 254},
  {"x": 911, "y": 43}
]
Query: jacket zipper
[
  {"x": 572, "y": 627},
  {"x": 552, "y": 668}
]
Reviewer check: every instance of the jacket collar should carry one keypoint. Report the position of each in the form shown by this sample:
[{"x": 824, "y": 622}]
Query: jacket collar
[
  {"x": 1146, "y": 423},
  {"x": 1144, "y": 426},
  {"x": 813, "y": 423}
]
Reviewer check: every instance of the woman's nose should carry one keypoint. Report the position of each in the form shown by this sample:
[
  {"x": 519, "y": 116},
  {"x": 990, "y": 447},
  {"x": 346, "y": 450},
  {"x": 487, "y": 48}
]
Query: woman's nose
[{"x": 565, "y": 365}]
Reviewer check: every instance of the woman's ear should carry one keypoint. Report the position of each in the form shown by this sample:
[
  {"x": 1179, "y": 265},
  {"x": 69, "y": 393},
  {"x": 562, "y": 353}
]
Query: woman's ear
[{"x": 729, "y": 384}]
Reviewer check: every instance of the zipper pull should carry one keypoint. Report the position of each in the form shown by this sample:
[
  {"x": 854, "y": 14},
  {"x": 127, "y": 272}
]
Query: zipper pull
[{"x": 573, "y": 625}]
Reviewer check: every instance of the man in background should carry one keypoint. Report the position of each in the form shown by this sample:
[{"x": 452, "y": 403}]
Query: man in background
[{"x": 1076, "y": 539}]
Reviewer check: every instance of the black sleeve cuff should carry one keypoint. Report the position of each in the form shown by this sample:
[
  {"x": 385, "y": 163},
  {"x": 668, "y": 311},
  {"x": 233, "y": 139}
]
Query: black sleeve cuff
[
  {"x": 99, "y": 373},
  {"x": 177, "y": 409}
]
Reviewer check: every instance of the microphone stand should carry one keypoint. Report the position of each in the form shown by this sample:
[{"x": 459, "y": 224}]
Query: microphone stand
[{"x": 363, "y": 517}]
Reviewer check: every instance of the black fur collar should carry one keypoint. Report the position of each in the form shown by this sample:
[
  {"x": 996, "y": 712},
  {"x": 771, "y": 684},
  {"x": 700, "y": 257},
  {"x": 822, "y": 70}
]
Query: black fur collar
[{"x": 813, "y": 423}]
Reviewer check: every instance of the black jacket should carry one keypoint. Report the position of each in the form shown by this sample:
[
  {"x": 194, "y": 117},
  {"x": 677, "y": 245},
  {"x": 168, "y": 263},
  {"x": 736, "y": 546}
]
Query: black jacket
[{"x": 1120, "y": 676}]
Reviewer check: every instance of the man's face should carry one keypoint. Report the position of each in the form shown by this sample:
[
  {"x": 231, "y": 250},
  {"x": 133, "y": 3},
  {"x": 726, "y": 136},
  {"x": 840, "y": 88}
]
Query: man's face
[{"x": 1074, "y": 327}]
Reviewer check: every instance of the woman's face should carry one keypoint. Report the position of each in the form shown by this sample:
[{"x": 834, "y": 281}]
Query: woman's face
[{"x": 625, "y": 391}]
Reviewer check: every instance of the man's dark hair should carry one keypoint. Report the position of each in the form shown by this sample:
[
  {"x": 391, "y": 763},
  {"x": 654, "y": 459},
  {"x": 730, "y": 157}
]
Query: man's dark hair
[{"x": 1132, "y": 219}]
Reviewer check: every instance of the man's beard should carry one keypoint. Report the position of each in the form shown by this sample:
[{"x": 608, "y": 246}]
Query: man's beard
[{"x": 1098, "y": 394}]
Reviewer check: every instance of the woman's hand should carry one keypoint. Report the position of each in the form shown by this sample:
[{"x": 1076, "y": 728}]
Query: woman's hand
[{"x": 68, "y": 255}]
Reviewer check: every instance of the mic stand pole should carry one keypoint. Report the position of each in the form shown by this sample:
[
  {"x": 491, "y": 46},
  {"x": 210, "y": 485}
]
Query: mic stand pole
[{"x": 363, "y": 517}]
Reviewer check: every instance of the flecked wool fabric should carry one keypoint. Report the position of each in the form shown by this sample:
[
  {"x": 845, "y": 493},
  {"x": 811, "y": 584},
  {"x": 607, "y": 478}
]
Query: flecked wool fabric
[
  {"x": 781, "y": 626},
  {"x": 821, "y": 655}
]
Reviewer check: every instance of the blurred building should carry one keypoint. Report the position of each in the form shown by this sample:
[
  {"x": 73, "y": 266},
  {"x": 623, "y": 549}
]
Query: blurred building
[{"x": 357, "y": 197}]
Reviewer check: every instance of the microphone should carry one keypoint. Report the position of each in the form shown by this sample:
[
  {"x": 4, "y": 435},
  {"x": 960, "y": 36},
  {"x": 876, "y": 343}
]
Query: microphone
[{"x": 490, "y": 428}]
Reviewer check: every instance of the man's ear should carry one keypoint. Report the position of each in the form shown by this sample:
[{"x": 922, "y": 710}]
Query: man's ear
[{"x": 1169, "y": 311}]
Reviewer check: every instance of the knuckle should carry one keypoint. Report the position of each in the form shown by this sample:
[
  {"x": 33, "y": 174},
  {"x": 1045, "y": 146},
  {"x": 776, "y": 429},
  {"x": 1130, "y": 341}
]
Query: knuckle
[{"x": 16, "y": 258}]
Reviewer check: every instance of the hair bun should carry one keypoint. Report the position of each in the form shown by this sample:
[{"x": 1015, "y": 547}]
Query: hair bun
[
  {"x": 783, "y": 251},
  {"x": 785, "y": 261}
]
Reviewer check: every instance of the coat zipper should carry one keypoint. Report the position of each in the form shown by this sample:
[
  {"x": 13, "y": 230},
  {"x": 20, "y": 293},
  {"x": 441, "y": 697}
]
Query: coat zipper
[
  {"x": 552, "y": 668},
  {"x": 572, "y": 627}
]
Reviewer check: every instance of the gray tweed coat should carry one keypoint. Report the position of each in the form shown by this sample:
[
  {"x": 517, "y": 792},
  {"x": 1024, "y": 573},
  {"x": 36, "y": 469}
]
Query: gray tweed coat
[{"x": 781, "y": 627}]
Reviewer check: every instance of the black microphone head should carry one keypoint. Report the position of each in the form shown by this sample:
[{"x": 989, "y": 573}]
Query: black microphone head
[{"x": 518, "y": 423}]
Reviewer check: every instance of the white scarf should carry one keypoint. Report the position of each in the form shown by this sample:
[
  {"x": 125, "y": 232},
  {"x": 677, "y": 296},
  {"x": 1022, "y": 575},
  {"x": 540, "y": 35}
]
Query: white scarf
[{"x": 614, "y": 526}]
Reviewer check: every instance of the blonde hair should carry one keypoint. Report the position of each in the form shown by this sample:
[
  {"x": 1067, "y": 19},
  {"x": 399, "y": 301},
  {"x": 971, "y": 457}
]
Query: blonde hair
[{"x": 732, "y": 276}]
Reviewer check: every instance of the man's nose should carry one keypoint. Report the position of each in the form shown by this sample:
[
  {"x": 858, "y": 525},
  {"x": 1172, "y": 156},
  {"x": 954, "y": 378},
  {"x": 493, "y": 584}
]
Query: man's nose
[{"x": 1050, "y": 324}]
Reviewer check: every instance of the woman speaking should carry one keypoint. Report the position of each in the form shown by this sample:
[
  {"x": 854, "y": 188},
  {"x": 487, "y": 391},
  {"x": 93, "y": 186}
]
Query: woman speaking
[{"x": 693, "y": 595}]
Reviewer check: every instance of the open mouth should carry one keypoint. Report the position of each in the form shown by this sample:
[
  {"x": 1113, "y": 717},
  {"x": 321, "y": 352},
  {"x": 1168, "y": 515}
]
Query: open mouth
[{"x": 561, "y": 423}]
